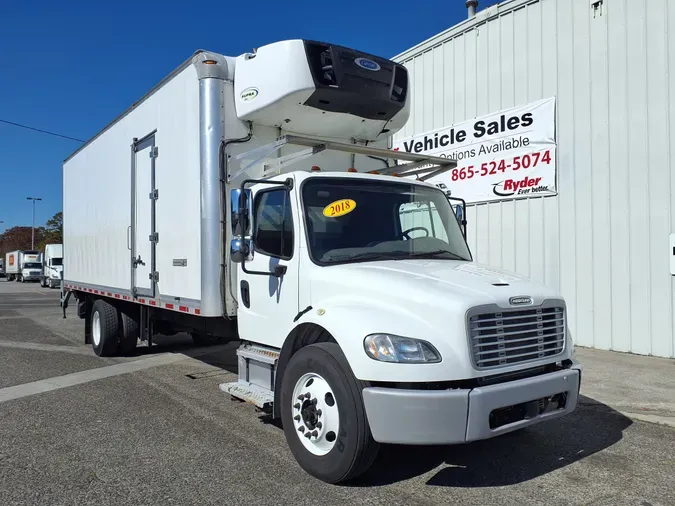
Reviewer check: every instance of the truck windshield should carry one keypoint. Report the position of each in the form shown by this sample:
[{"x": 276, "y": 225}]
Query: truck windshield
[
  {"x": 32, "y": 265},
  {"x": 358, "y": 220}
]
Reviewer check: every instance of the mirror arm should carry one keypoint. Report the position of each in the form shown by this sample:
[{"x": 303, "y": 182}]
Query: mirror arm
[{"x": 463, "y": 222}]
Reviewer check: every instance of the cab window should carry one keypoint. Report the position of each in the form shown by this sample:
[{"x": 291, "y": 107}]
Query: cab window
[{"x": 273, "y": 221}]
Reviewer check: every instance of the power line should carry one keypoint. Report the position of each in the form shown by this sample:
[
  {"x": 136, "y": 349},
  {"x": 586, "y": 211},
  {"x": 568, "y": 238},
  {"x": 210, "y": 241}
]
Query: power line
[{"x": 40, "y": 130}]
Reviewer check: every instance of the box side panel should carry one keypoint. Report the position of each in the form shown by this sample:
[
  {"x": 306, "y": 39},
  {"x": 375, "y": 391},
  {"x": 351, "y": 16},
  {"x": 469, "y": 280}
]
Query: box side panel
[{"x": 97, "y": 195}]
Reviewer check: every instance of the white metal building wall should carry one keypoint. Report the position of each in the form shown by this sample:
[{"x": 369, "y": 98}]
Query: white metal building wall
[{"x": 604, "y": 240}]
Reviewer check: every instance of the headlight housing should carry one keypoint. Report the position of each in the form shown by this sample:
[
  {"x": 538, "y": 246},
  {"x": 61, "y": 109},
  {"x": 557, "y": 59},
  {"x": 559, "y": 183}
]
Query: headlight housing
[{"x": 401, "y": 350}]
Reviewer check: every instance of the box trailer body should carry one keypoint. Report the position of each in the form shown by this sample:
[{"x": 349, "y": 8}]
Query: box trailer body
[
  {"x": 23, "y": 265},
  {"x": 171, "y": 219},
  {"x": 52, "y": 266},
  {"x": 12, "y": 262}
]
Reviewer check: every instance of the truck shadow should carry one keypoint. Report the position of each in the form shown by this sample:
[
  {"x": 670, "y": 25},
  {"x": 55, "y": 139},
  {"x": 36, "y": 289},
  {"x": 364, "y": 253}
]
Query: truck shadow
[{"x": 506, "y": 460}]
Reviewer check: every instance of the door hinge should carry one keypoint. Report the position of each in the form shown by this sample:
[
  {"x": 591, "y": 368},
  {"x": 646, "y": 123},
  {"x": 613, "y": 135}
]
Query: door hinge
[
  {"x": 154, "y": 152},
  {"x": 154, "y": 237},
  {"x": 154, "y": 276},
  {"x": 154, "y": 195}
]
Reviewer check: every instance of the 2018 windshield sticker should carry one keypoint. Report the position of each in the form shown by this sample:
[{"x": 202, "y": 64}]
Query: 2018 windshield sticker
[{"x": 339, "y": 208}]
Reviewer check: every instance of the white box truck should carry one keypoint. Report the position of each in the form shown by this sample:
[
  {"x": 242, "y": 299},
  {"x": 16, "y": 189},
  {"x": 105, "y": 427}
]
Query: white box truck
[
  {"x": 23, "y": 265},
  {"x": 52, "y": 266},
  {"x": 252, "y": 198}
]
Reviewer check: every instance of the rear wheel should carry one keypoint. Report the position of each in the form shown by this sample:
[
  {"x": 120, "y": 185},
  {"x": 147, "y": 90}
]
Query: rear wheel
[
  {"x": 323, "y": 414},
  {"x": 105, "y": 329},
  {"x": 129, "y": 335}
]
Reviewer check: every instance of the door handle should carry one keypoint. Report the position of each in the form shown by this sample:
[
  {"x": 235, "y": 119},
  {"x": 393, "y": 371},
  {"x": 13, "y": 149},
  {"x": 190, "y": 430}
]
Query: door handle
[
  {"x": 129, "y": 237},
  {"x": 138, "y": 261}
]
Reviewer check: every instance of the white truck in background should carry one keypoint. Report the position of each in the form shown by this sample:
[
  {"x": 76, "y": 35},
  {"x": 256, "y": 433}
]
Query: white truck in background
[
  {"x": 23, "y": 265},
  {"x": 52, "y": 266},
  {"x": 260, "y": 204}
]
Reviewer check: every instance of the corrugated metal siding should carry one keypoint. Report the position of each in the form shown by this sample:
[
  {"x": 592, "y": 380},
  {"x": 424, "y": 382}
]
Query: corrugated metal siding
[{"x": 603, "y": 241}]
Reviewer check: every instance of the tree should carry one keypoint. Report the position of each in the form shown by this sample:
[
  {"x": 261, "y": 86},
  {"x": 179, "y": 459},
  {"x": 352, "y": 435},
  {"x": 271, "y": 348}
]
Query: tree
[
  {"x": 18, "y": 238},
  {"x": 52, "y": 233}
]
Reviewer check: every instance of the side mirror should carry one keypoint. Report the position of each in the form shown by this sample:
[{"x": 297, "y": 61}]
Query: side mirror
[
  {"x": 240, "y": 249},
  {"x": 239, "y": 229}
]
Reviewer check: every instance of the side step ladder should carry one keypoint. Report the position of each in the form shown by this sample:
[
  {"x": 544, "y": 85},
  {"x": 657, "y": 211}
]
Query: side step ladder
[{"x": 257, "y": 367}]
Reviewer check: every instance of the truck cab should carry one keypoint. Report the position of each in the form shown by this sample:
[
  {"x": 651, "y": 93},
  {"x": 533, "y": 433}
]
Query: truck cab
[
  {"x": 30, "y": 265},
  {"x": 374, "y": 273},
  {"x": 52, "y": 266}
]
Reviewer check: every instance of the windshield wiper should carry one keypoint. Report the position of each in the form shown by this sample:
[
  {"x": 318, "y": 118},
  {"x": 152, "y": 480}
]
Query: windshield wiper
[
  {"x": 437, "y": 253},
  {"x": 370, "y": 255}
]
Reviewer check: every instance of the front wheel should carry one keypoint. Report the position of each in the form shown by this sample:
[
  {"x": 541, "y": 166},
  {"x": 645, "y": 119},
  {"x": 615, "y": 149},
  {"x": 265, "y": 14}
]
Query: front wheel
[{"x": 323, "y": 415}]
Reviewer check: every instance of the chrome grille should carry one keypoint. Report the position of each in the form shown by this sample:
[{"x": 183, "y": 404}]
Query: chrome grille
[{"x": 510, "y": 337}]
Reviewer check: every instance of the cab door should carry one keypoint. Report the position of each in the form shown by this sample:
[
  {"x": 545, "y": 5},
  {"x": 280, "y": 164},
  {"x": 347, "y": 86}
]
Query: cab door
[{"x": 268, "y": 302}]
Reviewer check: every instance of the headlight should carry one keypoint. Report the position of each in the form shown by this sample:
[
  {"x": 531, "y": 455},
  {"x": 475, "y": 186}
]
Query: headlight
[{"x": 402, "y": 350}]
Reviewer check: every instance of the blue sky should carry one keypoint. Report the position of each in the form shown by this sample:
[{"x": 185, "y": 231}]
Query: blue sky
[{"x": 72, "y": 66}]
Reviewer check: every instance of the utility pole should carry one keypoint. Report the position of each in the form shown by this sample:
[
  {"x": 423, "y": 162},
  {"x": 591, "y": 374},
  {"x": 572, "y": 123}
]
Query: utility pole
[{"x": 32, "y": 236}]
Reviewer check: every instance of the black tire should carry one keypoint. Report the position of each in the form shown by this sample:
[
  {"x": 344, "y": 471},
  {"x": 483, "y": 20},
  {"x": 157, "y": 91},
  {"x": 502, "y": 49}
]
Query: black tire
[
  {"x": 355, "y": 449},
  {"x": 109, "y": 321},
  {"x": 129, "y": 335}
]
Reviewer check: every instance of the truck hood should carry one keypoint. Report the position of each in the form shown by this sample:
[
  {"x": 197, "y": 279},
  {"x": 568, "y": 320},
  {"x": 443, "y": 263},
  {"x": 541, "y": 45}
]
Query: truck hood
[
  {"x": 422, "y": 299},
  {"x": 447, "y": 283}
]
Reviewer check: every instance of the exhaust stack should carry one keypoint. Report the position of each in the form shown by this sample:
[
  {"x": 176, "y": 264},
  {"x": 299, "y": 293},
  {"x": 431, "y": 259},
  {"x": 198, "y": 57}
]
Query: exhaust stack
[{"x": 471, "y": 7}]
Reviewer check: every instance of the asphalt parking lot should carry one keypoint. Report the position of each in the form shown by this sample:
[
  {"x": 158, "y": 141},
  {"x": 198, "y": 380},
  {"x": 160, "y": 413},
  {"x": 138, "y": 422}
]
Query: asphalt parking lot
[{"x": 155, "y": 429}]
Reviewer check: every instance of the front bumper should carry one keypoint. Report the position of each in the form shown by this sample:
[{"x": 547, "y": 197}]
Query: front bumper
[{"x": 459, "y": 416}]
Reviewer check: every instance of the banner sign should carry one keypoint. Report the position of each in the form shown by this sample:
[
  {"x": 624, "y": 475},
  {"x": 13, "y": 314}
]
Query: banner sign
[{"x": 505, "y": 155}]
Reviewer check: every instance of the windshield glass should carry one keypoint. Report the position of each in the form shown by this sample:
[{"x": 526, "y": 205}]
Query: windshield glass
[
  {"x": 356, "y": 220},
  {"x": 32, "y": 265},
  {"x": 57, "y": 261}
]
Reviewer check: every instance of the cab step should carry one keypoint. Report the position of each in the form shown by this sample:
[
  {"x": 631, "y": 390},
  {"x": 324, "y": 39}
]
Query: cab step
[
  {"x": 257, "y": 369},
  {"x": 250, "y": 393}
]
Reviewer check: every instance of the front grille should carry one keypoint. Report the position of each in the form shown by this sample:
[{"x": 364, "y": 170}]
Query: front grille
[{"x": 508, "y": 337}]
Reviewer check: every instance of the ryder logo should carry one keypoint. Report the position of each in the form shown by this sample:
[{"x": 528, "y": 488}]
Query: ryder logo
[{"x": 523, "y": 186}]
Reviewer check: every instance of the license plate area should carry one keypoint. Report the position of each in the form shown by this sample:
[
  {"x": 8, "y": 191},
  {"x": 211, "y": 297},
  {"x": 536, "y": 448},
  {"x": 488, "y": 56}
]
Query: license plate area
[{"x": 527, "y": 410}]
